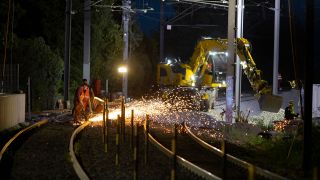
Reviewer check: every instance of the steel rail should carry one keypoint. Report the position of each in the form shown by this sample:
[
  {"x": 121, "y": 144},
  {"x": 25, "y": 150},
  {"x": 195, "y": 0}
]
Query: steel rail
[
  {"x": 75, "y": 163},
  {"x": 5, "y": 147},
  {"x": 185, "y": 163},
  {"x": 236, "y": 161}
]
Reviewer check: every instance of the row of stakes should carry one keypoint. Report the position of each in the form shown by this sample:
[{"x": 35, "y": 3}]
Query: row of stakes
[
  {"x": 134, "y": 144},
  {"x": 134, "y": 140}
]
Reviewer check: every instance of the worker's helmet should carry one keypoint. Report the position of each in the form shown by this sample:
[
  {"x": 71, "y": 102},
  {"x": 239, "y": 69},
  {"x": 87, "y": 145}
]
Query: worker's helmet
[{"x": 291, "y": 102}]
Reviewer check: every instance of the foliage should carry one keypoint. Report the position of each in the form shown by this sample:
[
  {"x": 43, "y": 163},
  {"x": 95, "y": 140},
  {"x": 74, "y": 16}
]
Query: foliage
[
  {"x": 283, "y": 151},
  {"x": 106, "y": 48},
  {"x": 44, "y": 67},
  {"x": 142, "y": 64},
  {"x": 139, "y": 73},
  {"x": 243, "y": 117}
]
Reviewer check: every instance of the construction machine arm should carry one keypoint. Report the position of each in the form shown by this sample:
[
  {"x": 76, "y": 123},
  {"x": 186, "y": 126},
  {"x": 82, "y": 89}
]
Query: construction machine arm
[{"x": 259, "y": 85}]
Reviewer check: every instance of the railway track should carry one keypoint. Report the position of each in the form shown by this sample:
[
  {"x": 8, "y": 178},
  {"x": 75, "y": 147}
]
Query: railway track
[
  {"x": 14, "y": 142},
  {"x": 194, "y": 161},
  {"x": 196, "y": 154},
  {"x": 253, "y": 171},
  {"x": 95, "y": 163},
  {"x": 39, "y": 152}
]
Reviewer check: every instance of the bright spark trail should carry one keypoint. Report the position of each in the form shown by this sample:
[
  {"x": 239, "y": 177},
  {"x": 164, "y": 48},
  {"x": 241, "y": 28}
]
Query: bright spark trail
[{"x": 167, "y": 113}]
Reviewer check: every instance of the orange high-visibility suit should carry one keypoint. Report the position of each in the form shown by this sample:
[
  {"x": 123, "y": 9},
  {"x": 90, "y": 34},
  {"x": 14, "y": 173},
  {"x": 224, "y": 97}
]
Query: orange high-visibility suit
[{"x": 81, "y": 102}]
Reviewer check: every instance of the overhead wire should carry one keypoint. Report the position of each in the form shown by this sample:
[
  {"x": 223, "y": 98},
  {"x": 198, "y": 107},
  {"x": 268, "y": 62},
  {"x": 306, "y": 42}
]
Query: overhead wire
[
  {"x": 183, "y": 14},
  {"x": 291, "y": 39},
  {"x": 260, "y": 4},
  {"x": 298, "y": 83}
]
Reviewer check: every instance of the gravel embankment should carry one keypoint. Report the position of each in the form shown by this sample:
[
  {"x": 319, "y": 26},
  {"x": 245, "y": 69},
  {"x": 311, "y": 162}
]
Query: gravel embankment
[{"x": 44, "y": 155}]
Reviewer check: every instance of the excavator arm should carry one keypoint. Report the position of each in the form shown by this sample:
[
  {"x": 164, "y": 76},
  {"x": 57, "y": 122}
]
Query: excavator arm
[
  {"x": 267, "y": 101},
  {"x": 253, "y": 74},
  {"x": 207, "y": 47}
]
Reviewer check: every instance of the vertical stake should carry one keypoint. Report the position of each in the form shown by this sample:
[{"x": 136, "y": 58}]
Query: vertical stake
[
  {"x": 135, "y": 153},
  {"x": 146, "y": 139},
  {"x": 132, "y": 129},
  {"x": 124, "y": 122},
  {"x": 224, "y": 159},
  {"x": 251, "y": 172},
  {"x": 106, "y": 125},
  {"x": 174, "y": 156},
  {"x": 29, "y": 98},
  {"x": 107, "y": 132},
  {"x": 122, "y": 104},
  {"x": 104, "y": 122},
  {"x": 117, "y": 141},
  {"x": 315, "y": 173}
]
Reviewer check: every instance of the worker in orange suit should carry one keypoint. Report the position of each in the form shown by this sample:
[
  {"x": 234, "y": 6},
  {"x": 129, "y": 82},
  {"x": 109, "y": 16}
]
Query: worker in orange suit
[{"x": 81, "y": 102}]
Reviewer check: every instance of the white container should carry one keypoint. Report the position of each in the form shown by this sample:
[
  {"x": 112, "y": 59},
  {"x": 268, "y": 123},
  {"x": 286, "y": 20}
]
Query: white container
[
  {"x": 316, "y": 100},
  {"x": 12, "y": 110}
]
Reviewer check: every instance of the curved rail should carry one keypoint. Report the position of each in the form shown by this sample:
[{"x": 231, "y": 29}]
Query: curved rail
[
  {"x": 75, "y": 163},
  {"x": 5, "y": 147},
  {"x": 185, "y": 163},
  {"x": 239, "y": 162}
]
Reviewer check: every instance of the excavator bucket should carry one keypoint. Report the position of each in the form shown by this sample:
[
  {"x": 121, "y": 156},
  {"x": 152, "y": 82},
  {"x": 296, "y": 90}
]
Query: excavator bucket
[{"x": 270, "y": 103}]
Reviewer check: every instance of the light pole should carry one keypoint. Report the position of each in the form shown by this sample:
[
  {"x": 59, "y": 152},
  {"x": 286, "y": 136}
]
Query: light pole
[
  {"x": 124, "y": 70},
  {"x": 67, "y": 49},
  {"x": 240, "y": 7},
  {"x": 125, "y": 22},
  {"x": 276, "y": 47}
]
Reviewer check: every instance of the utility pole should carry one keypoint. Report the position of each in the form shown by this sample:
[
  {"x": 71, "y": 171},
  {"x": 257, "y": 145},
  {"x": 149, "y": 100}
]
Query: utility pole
[
  {"x": 161, "y": 31},
  {"x": 125, "y": 22},
  {"x": 230, "y": 61},
  {"x": 86, "y": 40},
  {"x": 276, "y": 47},
  {"x": 67, "y": 50},
  {"x": 240, "y": 7},
  {"x": 308, "y": 64}
]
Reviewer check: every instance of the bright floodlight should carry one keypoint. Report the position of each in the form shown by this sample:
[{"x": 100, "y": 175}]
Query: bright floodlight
[
  {"x": 122, "y": 69},
  {"x": 193, "y": 77},
  {"x": 212, "y": 53}
]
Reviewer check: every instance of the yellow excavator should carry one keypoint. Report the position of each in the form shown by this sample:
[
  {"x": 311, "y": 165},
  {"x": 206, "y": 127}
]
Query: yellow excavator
[{"x": 206, "y": 72}]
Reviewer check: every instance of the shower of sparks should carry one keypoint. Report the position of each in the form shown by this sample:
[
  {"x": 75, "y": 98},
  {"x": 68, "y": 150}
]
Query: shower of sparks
[
  {"x": 280, "y": 126},
  {"x": 165, "y": 112},
  {"x": 166, "y": 109},
  {"x": 98, "y": 117}
]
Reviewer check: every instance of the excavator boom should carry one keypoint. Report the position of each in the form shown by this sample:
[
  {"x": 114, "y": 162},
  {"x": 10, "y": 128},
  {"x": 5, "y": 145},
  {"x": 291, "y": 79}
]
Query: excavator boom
[{"x": 267, "y": 101}]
